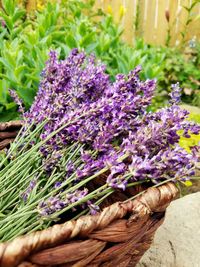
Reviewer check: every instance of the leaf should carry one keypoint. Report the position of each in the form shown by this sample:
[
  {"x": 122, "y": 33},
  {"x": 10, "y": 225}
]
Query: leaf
[
  {"x": 27, "y": 95},
  {"x": 3, "y": 91},
  {"x": 57, "y": 36},
  {"x": 8, "y": 116},
  {"x": 194, "y": 4},
  {"x": 189, "y": 21},
  {"x": 19, "y": 72},
  {"x": 186, "y": 8},
  {"x": 5, "y": 63},
  {"x": 32, "y": 77},
  {"x": 82, "y": 29},
  {"x": 71, "y": 42},
  {"x": 90, "y": 48},
  {"x": 8, "y": 22},
  {"x": 8, "y": 6},
  {"x": 87, "y": 39},
  {"x": 41, "y": 56},
  {"x": 10, "y": 105},
  {"x": 18, "y": 14}
]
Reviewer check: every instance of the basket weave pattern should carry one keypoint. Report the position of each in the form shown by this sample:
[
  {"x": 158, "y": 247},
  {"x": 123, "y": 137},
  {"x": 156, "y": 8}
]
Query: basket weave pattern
[
  {"x": 118, "y": 236},
  {"x": 8, "y": 131}
]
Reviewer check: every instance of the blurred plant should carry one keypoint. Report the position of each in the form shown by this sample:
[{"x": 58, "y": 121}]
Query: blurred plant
[
  {"x": 110, "y": 10},
  {"x": 137, "y": 20},
  {"x": 169, "y": 36},
  {"x": 170, "y": 24},
  {"x": 127, "y": 58},
  {"x": 122, "y": 11},
  {"x": 40, "y": 5},
  {"x": 179, "y": 68},
  {"x": 25, "y": 41},
  {"x": 190, "y": 18},
  {"x": 194, "y": 58}
]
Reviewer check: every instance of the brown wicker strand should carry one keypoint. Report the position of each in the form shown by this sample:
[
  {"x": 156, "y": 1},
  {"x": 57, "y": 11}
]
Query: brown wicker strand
[
  {"x": 101, "y": 228},
  {"x": 5, "y": 135},
  {"x": 5, "y": 126},
  {"x": 5, "y": 143},
  {"x": 8, "y": 132}
]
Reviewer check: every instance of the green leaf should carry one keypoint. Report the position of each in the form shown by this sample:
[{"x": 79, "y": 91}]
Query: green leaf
[
  {"x": 90, "y": 48},
  {"x": 57, "y": 36},
  {"x": 71, "y": 42},
  {"x": 32, "y": 77},
  {"x": 19, "y": 72},
  {"x": 8, "y": 116},
  {"x": 27, "y": 95},
  {"x": 5, "y": 63},
  {"x": 189, "y": 21},
  {"x": 9, "y": 6},
  {"x": 10, "y": 105},
  {"x": 87, "y": 39},
  {"x": 3, "y": 91},
  {"x": 83, "y": 29},
  {"x": 8, "y": 21},
  {"x": 18, "y": 14}
]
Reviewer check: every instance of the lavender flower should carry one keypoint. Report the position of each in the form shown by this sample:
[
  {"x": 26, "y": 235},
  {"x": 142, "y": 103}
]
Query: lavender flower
[
  {"x": 17, "y": 100},
  {"x": 57, "y": 203},
  {"x": 29, "y": 189},
  {"x": 50, "y": 206},
  {"x": 175, "y": 94},
  {"x": 94, "y": 209},
  {"x": 111, "y": 120}
]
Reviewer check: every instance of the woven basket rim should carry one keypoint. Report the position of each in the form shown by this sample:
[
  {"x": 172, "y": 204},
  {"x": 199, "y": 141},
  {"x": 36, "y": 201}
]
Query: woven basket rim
[{"x": 153, "y": 200}]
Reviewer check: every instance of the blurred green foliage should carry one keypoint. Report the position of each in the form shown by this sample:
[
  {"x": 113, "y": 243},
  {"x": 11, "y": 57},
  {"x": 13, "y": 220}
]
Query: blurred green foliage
[
  {"x": 182, "y": 66},
  {"x": 25, "y": 42}
]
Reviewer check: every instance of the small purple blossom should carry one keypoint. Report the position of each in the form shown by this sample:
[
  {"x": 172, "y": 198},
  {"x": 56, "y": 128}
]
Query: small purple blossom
[
  {"x": 94, "y": 209},
  {"x": 17, "y": 100},
  {"x": 3, "y": 23},
  {"x": 57, "y": 184},
  {"x": 175, "y": 94},
  {"x": 51, "y": 205},
  {"x": 29, "y": 189}
]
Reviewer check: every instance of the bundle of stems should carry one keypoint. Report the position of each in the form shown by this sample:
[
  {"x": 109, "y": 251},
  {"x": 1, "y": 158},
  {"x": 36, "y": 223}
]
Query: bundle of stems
[{"x": 17, "y": 216}]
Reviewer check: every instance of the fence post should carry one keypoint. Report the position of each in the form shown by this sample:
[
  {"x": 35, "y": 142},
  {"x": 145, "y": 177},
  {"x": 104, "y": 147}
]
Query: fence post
[{"x": 31, "y": 5}]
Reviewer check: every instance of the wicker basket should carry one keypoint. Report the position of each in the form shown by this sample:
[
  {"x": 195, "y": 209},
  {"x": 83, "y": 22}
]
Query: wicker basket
[
  {"x": 118, "y": 236},
  {"x": 8, "y": 131}
]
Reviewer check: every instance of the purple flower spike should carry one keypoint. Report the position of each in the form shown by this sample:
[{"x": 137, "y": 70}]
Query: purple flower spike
[
  {"x": 175, "y": 94},
  {"x": 17, "y": 100}
]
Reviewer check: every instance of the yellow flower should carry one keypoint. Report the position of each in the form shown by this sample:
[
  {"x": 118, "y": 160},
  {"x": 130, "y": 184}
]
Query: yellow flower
[
  {"x": 186, "y": 143},
  {"x": 109, "y": 10},
  {"x": 40, "y": 5},
  {"x": 187, "y": 183},
  {"x": 122, "y": 11}
]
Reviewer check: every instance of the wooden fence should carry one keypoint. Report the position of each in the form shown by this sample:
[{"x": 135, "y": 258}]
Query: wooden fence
[{"x": 155, "y": 19}]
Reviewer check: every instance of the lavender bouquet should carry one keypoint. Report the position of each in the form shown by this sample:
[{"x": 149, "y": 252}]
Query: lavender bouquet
[{"x": 80, "y": 127}]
